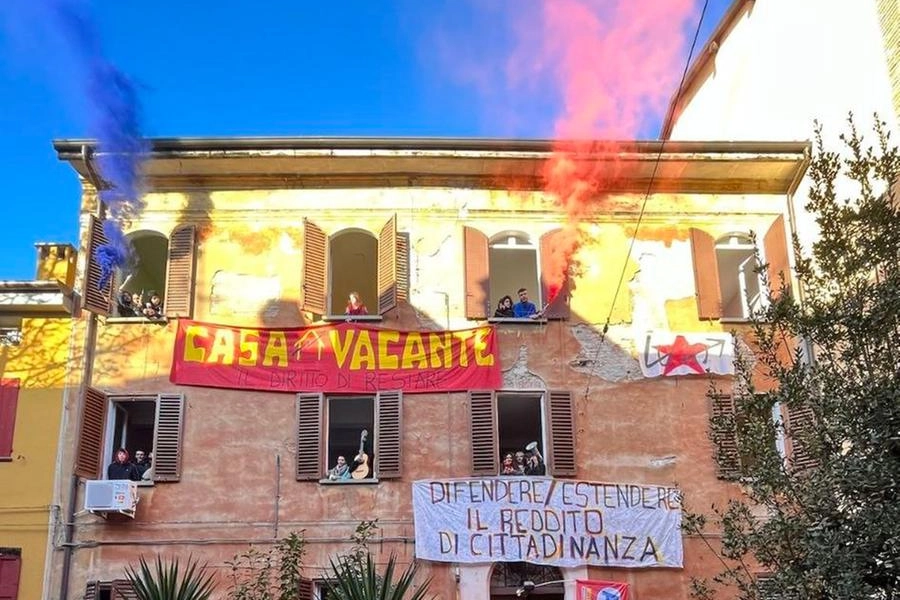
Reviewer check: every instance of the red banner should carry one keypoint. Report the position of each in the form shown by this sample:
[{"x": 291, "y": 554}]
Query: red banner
[
  {"x": 344, "y": 357},
  {"x": 586, "y": 589}
]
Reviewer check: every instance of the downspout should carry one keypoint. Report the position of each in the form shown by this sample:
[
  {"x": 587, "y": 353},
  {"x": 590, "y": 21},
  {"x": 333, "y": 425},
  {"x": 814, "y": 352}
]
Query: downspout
[{"x": 89, "y": 349}]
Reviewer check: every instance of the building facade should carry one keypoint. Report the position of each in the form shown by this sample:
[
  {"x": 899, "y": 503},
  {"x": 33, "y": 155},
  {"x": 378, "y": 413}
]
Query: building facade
[
  {"x": 35, "y": 345},
  {"x": 253, "y": 246}
]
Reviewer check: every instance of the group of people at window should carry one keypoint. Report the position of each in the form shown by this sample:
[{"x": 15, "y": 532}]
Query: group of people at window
[
  {"x": 122, "y": 467},
  {"x": 528, "y": 462},
  {"x": 523, "y": 309},
  {"x": 136, "y": 304}
]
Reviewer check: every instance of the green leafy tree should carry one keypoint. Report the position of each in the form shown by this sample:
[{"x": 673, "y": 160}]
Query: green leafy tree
[
  {"x": 350, "y": 580},
  {"x": 825, "y": 522},
  {"x": 273, "y": 574},
  {"x": 167, "y": 581}
]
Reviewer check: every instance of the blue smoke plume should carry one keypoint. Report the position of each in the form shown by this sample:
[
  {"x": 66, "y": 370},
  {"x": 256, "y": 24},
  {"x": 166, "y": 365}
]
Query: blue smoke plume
[{"x": 115, "y": 125}]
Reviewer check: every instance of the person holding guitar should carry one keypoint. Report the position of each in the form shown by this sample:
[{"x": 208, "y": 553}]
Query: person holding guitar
[{"x": 361, "y": 469}]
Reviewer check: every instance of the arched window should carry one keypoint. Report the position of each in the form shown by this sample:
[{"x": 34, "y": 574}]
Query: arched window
[
  {"x": 353, "y": 258},
  {"x": 145, "y": 274},
  {"x": 513, "y": 264},
  {"x": 508, "y": 577},
  {"x": 739, "y": 279}
]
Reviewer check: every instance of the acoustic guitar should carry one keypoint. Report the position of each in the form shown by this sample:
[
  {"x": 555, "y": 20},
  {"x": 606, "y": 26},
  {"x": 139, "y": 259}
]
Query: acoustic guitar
[{"x": 362, "y": 468}]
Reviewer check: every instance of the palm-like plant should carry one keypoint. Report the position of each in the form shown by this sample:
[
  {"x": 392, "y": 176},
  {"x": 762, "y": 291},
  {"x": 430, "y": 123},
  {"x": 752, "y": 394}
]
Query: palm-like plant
[
  {"x": 168, "y": 582},
  {"x": 360, "y": 580}
]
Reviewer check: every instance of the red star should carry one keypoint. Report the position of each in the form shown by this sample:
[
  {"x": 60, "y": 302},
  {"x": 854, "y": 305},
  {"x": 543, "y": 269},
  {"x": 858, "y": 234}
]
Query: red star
[{"x": 681, "y": 353}]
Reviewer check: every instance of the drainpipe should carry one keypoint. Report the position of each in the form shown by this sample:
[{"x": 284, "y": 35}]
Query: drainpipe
[
  {"x": 87, "y": 156},
  {"x": 88, "y": 370}
]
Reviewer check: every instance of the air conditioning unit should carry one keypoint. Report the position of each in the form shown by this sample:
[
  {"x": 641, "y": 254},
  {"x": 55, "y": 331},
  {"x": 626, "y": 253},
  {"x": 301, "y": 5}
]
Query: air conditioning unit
[{"x": 111, "y": 496}]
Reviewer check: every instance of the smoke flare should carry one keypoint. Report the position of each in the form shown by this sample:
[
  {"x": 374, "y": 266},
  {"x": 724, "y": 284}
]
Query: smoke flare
[{"x": 114, "y": 124}]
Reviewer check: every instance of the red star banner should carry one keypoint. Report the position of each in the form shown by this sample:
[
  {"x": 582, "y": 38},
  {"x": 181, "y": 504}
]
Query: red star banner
[
  {"x": 587, "y": 589},
  {"x": 665, "y": 353}
]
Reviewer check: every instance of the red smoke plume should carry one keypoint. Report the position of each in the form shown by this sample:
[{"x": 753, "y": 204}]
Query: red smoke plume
[{"x": 615, "y": 64}]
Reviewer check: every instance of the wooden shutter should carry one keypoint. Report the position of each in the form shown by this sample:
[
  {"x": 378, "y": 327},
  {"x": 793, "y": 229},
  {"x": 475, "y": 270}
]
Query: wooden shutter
[
  {"x": 180, "y": 272},
  {"x": 403, "y": 266},
  {"x": 799, "y": 425},
  {"x": 90, "y": 435},
  {"x": 309, "y": 437},
  {"x": 551, "y": 258},
  {"x": 562, "y": 433},
  {"x": 305, "y": 589},
  {"x": 706, "y": 275},
  {"x": 387, "y": 435},
  {"x": 10, "y": 570},
  {"x": 169, "y": 433},
  {"x": 9, "y": 400},
  {"x": 775, "y": 244},
  {"x": 724, "y": 437},
  {"x": 122, "y": 589},
  {"x": 96, "y": 300},
  {"x": 92, "y": 591},
  {"x": 483, "y": 425},
  {"x": 315, "y": 275},
  {"x": 475, "y": 255},
  {"x": 387, "y": 266}
]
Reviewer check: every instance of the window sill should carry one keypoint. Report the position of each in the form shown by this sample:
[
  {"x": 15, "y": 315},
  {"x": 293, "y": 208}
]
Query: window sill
[
  {"x": 515, "y": 321},
  {"x": 352, "y": 318},
  {"x": 348, "y": 482},
  {"x": 115, "y": 320},
  {"x": 146, "y": 484},
  {"x": 4, "y": 459}
]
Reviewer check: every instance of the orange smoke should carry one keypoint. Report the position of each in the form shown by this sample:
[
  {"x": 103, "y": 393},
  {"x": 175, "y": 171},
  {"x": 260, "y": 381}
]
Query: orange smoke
[{"x": 615, "y": 64}]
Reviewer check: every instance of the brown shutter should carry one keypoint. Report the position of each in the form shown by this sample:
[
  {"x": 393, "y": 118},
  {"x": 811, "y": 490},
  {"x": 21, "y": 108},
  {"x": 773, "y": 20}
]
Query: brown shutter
[
  {"x": 403, "y": 266},
  {"x": 309, "y": 437},
  {"x": 483, "y": 425},
  {"x": 96, "y": 300},
  {"x": 706, "y": 275},
  {"x": 387, "y": 435},
  {"x": 723, "y": 432},
  {"x": 475, "y": 251},
  {"x": 562, "y": 433},
  {"x": 169, "y": 433},
  {"x": 387, "y": 266},
  {"x": 777, "y": 257},
  {"x": 305, "y": 589},
  {"x": 799, "y": 425},
  {"x": 315, "y": 275},
  {"x": 90, "y": 435},
  {"x": 92, "y": 591},
  {"x": 122, "y": 589},
  {"x": 180, "y": 272},
  {"x": 551, "y": 256}
]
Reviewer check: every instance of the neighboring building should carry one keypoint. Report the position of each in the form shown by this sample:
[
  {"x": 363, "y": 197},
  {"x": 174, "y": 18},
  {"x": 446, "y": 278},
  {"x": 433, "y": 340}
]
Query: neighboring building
[
  {"x": 35, "y": 345},
  {"x": 889, "y": 15},
  {"x": 274, "y": 233}
]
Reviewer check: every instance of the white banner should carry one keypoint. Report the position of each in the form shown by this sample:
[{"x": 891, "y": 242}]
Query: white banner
[
  {"x": 665, "y": 353},
  {"x": 547, "y": 521}
]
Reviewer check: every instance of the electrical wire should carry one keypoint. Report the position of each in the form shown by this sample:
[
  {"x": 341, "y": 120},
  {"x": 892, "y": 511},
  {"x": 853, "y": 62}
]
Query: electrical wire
[{"x": 662, "y": 146}]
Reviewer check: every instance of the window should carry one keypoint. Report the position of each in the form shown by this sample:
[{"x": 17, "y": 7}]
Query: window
[
  {"x": 9, "y": 399},
  {"x": 728, "y": 284},
  {"x": 728, "y": 420},
  {"x": 131, "y": 423},
  {"x": 332, "y": 426},
  {"x": 158, "y": 264},
  {"x": 507, "y": 421},
  {"x": 135, "y": 422},
  {"x": 354, "y": 260},
  {"x": 10, "y": 569},
  {"x": 504, "y": 264},
  {"x": 120, "y": 589}
]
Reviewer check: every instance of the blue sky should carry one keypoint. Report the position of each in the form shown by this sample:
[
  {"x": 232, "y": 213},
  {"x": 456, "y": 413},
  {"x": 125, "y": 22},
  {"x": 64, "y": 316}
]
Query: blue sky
[{"x": 275, "y": 67}]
